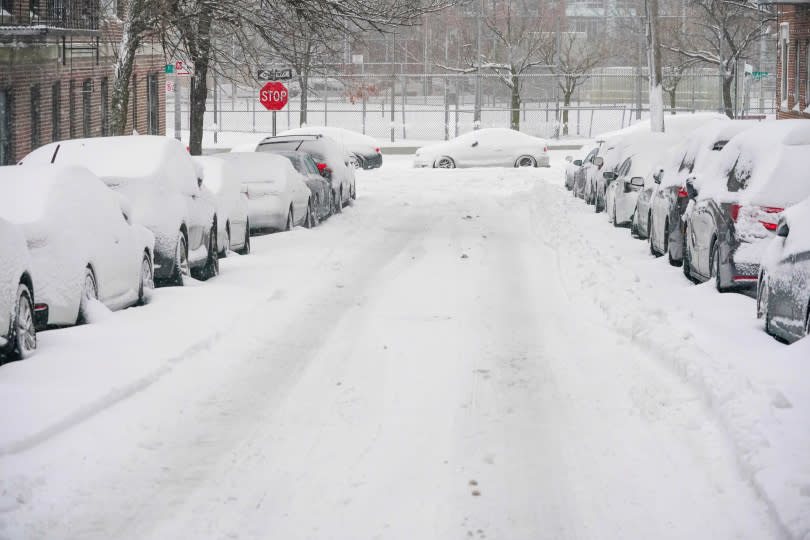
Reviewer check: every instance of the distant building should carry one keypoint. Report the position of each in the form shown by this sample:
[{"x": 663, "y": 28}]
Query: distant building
[
  {"x": 793, "y": 58},
  {"x": 56, "y": 74}
]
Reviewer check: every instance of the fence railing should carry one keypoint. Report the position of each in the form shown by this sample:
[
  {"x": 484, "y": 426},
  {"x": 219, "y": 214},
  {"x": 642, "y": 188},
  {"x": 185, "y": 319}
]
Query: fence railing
[
  {"x": 435, "y": 107},
  {"x": 62, "y": 14}
]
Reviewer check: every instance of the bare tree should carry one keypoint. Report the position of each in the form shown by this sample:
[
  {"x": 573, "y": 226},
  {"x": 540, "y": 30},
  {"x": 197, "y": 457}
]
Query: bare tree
[
  {"x": 722, "y": 33},
  {"x": 571, "y": 57}
]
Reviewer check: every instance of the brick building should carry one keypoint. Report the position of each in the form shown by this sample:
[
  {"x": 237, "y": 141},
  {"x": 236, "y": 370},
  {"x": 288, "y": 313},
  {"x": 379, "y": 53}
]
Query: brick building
[
  {"x": 793, "y": 58},
  {"x": 56, "y": 75}
]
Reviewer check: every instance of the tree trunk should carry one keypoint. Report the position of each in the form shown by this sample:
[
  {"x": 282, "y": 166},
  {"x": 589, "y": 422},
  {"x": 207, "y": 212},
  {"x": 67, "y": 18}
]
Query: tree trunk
[
  {"x": 120, "y": 89},
  {"x": 728, "y": 103},
  {"x": 303, "y": 83},
  {"x": 654, "y": 63},
  {"x": 566, "y": 102},
  {"x": 200, "y": 55},
  {"x": 515, "y": 120},
  {"x": 672, "y": 100}
]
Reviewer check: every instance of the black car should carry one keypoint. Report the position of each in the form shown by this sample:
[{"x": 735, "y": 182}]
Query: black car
[
  {"x": 329, "y": 158},
  {"x": 736, "y": 205},
  {"x": 783, "y": 295},
  {"x": 319, "y": 185}
]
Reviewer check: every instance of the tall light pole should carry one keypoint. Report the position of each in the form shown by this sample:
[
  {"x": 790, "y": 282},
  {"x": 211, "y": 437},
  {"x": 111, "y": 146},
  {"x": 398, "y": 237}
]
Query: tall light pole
[{"x": 477, "y": 112}]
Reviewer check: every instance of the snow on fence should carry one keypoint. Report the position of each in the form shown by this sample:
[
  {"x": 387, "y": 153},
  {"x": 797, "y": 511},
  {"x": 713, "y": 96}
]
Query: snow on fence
[{"x": 435, "y": 107}]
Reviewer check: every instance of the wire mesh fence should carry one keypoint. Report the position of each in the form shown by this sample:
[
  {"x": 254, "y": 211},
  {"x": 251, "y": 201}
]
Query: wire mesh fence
[{"x": 436, "y": 107}]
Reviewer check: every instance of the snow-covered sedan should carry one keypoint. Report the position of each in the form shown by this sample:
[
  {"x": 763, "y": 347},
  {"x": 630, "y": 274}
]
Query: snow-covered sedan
[
  {"x": 735, "y": 206},
  {"x": 221, "y": 177},
  {"x": 83, "y": 246},
  {"x": 18, "y": 337},
  {"x": 158, "y": 178},
  {"x": 277, "y": 194},
  {"x": 491, "y": 147},
  {"x": 364, "y": 152},
  {"x": 319, "y": 187},
  {"x": 783, "y": 294}
]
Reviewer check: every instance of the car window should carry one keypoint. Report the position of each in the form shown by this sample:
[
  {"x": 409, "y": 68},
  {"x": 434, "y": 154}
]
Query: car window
[
  {"x": 311, "y": 167},
  {"x": 314, "y": 149},
  {"x": 625, "y": 167},
  {"x": 591, "y": 155},
  {"x": 738, "y": 176},
  {"x": 275, "y": 146},
  {"x": 296, "y": 162}
]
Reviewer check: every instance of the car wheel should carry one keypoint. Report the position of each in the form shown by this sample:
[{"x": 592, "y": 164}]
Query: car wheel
[
  {"x": 615, "y": 224},
  {"x": 715, "y": 269},
  {"x": 353, "y": 193},
  {"x": 763, "y": 299},
  {"x": 316, "y": 213},
  {"x": 526, "y": 161},
  {"x": 667, "y": 250},
  {"x": 807, "y": 321},
  {"x": 246, "y": 247},
  {"x": 309, "y": 222},
  {"x": 211, "y": 268},
  {"x": 651, "y": 238},
  {"x": 687, "y": 258},
  {"x": 227, "y": 247},
  {"x": 23, "y": 334},
  {"x": 89, "y": 293},
  {"x": 147, "y": 281},
  {"x": 290, "y": 220},
  {"x": 338, "y": 202},
  {"x": 181, "y": 266},
  {"x": 445, "y": 162}
]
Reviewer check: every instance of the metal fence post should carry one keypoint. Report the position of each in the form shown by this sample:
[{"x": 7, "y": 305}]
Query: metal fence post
[
  {"x": 393, "y": 105},
  {"x": 325, "y": 101},
  {"x": 403, "y": 86},
  {"x": 446, "y": 110},
  {"x": 365, "y": 99},
  {"x": 590, "y": 126}
]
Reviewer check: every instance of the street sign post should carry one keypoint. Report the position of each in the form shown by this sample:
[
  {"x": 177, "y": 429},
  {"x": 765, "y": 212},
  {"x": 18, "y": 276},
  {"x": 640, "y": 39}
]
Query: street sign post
[
  {"x": 274, "y": 74},
  {"x": 273, "y": 96}
]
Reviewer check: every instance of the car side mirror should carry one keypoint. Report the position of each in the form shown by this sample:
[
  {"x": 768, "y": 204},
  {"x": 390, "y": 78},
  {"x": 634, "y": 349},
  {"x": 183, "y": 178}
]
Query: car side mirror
[
  {"x": 578, "y": 162},
  {"x": 637, "y": 181},
  {"x": 199, "y": 182},
  {"x": 657, "y": 176},
  {"x": 569, "y": 159},
  {"x": 475, "y": 144},
  {"x": 691, "y": 191},
  {"x": 598, "y": 161},
  {"x": 609, "y": 175},
  {"x": 782, "y": 229}
]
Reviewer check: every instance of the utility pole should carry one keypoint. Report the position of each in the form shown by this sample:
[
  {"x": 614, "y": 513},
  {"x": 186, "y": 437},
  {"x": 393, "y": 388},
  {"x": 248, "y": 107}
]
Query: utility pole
[
  {"x": 654, "y": 62},
  {"x": 477, "y": 112}
]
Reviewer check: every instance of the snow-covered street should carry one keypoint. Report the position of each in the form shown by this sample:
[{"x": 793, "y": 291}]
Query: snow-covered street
[{"x": 460, "y": 354}]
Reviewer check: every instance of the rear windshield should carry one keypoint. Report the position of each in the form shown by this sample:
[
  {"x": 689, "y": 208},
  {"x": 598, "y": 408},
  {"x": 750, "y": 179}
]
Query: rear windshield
[{"x": 313, "y": 148}]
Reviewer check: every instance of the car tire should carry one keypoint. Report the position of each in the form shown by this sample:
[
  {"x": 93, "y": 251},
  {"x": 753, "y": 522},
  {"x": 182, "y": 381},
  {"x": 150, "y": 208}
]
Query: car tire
[
  {"x": 290, "y": 224},
  {"x": 23, "y": 335},
  {"x": 147, "y": 280},
  {"x": 181, "y": 267},
  {"x": 444, "y": 162},
  {"x": 525, "y": 161},
  {"x": 353, "y": 192},
  {"x": 245, "y": 250},
  {"x": 615, "y": 224},
  {"x": 315, "y": 216},
  {"x": 651, "y": 239},
  {"x": 763, "y": 299},
  {"x": 667, "y": 250},
  {"x": 309, "y": 222},
  {"x": 687, "y": 258},
  {"x": 211, "y": 267},
  {"x": 227, "y": 247},
  {"x": 338, "y": 206},
  {"x": 89, "y": 293},
  {"x": 807, "y": 321},
  {"x": 715, "y": 268}
]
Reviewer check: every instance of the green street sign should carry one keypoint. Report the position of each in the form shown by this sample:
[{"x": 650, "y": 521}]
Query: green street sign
[
  {"x": 759, "y": 75},
  {"x": 169, "y": 68}
]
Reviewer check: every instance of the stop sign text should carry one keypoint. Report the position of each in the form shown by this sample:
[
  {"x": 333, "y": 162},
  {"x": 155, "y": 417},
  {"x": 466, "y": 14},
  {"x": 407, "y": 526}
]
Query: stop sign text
[{"x": 273, "y": 96}]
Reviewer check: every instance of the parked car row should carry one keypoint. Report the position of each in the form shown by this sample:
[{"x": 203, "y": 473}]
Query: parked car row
[
  {"x": 107, "y": 219},
  {"x": 727, "y": 200}
]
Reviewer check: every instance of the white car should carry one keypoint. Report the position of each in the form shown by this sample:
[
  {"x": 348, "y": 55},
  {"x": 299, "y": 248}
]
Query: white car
[
  {"x": 362, "y": 150},
  {"x": 278, "y": 196},
  {"x": 18, "y": 337},
  {"x": 82, "y": 245},
  {"x": 492, "y": 147},
  {"x": 221, "y": 177},
  {"x": 158, "y": 178}
]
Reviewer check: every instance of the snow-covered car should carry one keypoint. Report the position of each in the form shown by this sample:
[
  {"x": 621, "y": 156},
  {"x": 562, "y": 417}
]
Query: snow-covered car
[
  {"x": 233, "y": 227},
  {"x": 491, "y": 147},
  {"x": 277, "y": 194},
  {"x": 158, "y": 178},
  {"x": 783, "y": 294},
  {"x": 82, "y": 244},
  {"x": 622, "y": 193},
  {"x": 329, "y": 157},
  {"x": 364, "y": 152},
  {"x": 319, "y": 187},
  {"x": 661, "y": 204},
  {"x": 576, "y": 169},
  {"x": 736, "y": 205},
  {"x": 18, "y": 336}
]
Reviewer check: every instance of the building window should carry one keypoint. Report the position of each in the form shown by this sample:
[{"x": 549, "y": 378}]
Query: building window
[
  {"x": 784, "y": 82},
  {"x": 6, "y": 124},
  {"x": 807, "y": 77},
  {"x": 72, "y": 109},
  {"x": 35, "y": 117},
  {"x": 105, "y": 108},
  {"x": 797, "y": 78},
  {"x": 56, "y": 111},
  {"x": 152, "y": 104},
  {"x": 87, "y": 94},
  {"x": 134, "y": 92}
]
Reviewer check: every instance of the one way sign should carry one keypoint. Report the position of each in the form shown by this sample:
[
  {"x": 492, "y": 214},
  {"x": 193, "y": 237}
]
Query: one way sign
[{"x": 274, "y": 74}]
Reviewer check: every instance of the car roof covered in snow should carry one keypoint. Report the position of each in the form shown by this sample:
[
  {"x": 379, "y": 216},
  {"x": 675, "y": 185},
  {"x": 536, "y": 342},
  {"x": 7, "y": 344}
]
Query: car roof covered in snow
[
  {"x": 677, "y": 124},
  {"x": 346, "y": 136},
  {"x": 249, "y": 167},
  {"x": 766, "y": 165}
]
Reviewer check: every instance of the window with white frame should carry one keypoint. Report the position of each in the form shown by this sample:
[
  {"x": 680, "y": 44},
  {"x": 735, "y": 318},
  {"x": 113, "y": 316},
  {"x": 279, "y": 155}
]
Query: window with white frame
[
  {"x": 807, "y": 77},
  {"x": 796, "y": 76},
  {"x": 784, "y": 73}
]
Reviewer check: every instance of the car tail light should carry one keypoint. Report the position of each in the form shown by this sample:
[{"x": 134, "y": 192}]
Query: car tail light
[
  {"x": 768, "y": 216},
  {"x": 322, "y": 167},
  {"x": 545, "y": 149},
  {"x": 682, "y": 192},
  {"x": 377, "y": 150},
  {"x": 40, "y": 307}
]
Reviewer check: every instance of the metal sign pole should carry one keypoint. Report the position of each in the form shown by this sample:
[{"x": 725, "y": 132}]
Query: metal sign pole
[
  {"x": 274, "y": 123},
  {"x": 177, "y": 119}
]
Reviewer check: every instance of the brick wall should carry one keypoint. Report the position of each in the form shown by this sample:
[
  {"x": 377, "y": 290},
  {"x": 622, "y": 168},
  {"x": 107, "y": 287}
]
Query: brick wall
[
  {"x": 39, "y": 63},
  {"x": 798, "y": 17}
]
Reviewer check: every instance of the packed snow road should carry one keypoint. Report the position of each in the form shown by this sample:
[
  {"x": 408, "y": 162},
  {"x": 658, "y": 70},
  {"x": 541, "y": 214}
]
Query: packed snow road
[{"x": 424, "y": 365}]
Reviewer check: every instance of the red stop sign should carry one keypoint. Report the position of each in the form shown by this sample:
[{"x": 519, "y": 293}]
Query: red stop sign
[{"x": 273, "y": 96}]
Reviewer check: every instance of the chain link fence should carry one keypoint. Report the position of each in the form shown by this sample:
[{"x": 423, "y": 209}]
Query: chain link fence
[{"x": 436, "y": 107}]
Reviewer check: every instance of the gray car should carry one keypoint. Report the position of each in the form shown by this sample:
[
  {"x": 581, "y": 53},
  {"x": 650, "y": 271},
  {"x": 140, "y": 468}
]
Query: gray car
[{"x": 319, "y": 185}]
